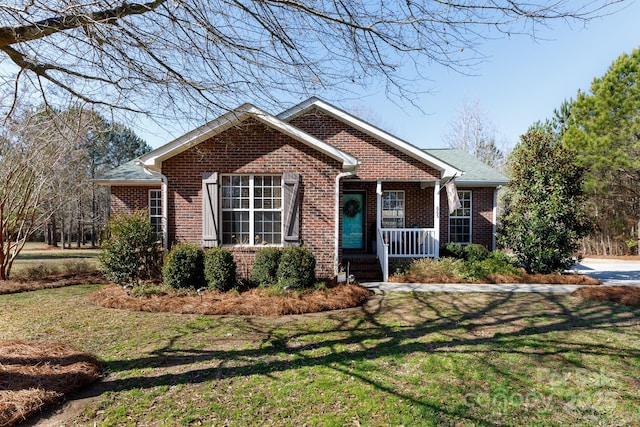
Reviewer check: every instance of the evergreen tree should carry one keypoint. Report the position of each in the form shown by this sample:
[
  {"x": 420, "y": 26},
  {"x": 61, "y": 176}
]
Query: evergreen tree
[
  {"x": 544, "y": 215},
  {"x": 603, "y": 128}
]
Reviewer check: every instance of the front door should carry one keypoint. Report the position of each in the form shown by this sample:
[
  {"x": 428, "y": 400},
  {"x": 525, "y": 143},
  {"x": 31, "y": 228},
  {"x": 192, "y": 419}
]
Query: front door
[{"x": 353, "y": 220}]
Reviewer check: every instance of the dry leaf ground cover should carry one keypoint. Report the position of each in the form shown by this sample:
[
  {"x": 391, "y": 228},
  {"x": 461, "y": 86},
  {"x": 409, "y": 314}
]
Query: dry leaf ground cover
[
  {"x": 255, "y": 302},
  {"x": 627, "y": 295},
  {"x": 547, "y": 279},
  {"x": 399, "y": 359},
  {"x": 36, "y": 375}
]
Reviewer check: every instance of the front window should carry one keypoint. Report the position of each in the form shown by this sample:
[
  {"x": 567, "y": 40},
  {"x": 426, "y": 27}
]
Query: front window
[
  {"x": 155, "y": 210},
  {"x": 393, "y": 209},
  {"x": 251, "y": 210},
  {"x": 460, "y": 220}
]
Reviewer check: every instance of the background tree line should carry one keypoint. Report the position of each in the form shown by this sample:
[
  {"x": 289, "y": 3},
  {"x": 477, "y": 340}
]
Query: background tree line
[
  {"x": 48, "y": 159},
  {"x": 602, "y": 126},
  {"x": 94, "y": 145}
]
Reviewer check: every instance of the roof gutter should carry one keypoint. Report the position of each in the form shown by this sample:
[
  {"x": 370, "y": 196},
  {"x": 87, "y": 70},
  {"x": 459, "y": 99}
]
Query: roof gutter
[
  {"x": 127, "y": 182},
  {"x": 165, "y": 205}
]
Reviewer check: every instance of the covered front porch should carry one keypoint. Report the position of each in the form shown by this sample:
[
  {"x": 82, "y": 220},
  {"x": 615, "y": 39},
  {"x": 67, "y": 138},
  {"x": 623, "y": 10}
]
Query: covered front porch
[{"x": 390, "y": 219}]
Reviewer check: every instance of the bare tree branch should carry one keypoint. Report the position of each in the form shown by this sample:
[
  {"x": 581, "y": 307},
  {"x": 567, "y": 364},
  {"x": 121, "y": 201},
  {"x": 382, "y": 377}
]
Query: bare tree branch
[
  {"x": 49, "y": 26},
  {"x": 196, "y": 57}
]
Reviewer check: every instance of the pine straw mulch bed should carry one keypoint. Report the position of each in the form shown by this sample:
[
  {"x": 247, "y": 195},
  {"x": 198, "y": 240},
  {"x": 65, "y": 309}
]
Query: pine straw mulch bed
[
  {"x": 35, "y": 375},
  {"x": 542, "y": 279},
  {"x": 15, "y": 286},
  {"x": 254, "y": 302},
  {"x": 626, "y": 295}
]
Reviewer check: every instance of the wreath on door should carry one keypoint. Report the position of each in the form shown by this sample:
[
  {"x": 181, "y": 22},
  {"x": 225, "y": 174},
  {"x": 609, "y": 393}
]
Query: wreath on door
[{"x": 352, "y": 208}]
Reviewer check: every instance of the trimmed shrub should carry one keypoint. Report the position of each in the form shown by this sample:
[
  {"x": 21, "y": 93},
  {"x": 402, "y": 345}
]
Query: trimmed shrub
[
  {"x": 130, "y": 249},
  {"x": 264, "y": 271},
  {"x": 220, "y": 269},
  {"x": 77, "y": 266},
  {"x": 443, "y": 269},
  {"x": 452, "y": 250},
  {"x": 184, "y": 266},
  {"x": 475, "y": 252},
  {"x": 297, "y": 268},
  {"x": 35, "y": 272},
  {"x": 497, "y": 263}
]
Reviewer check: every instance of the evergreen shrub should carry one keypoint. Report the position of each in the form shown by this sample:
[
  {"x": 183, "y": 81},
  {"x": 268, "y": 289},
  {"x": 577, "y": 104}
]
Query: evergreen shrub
[
  {"x": 496, "y": 263},
  {"x": 475, "y": 252},
  {"x": 264, "y": 271},
  {"x": 297, "y": 268},
  {"x": 131, "y": 251},
  {"x": 184, "y": 266},
  {"x": 452, "y": 250},
  {"x": 220, "y": 269}
]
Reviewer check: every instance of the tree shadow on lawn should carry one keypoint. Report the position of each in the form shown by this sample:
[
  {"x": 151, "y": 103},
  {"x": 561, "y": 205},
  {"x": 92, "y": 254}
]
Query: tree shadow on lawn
[{"x": 442, "y": 323}]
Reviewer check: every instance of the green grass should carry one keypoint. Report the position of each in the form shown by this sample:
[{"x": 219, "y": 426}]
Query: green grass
[
  {"x": 423, "y": 359},
  {"x": 36, "y": 254}
]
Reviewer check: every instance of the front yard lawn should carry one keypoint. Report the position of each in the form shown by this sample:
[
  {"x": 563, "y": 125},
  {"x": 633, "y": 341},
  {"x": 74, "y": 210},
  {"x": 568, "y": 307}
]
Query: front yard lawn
[{"x": 421, "y": 359}]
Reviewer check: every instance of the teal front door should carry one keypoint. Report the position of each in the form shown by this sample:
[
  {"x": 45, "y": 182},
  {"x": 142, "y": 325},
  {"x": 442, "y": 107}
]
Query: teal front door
[{"x": 353, "y": 220}]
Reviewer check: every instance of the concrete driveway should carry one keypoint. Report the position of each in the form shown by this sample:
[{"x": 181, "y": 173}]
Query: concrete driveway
[{"x": 610, "y": 271}]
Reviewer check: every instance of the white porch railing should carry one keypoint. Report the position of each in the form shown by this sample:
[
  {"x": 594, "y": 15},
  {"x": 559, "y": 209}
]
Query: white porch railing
[
  {"x": 404, "y": 243},
  {"x": 382, "y": 250},
  {"x": 410, "y": 242}
]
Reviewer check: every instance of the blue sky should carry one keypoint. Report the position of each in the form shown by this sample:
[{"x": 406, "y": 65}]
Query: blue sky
[{"x": 521, "y": 81}]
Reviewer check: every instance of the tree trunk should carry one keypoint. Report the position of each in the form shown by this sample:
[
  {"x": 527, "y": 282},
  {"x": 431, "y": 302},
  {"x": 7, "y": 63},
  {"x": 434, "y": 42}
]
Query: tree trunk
[
  {"x": 3, "y": 272},
  {"x": 47, "y": 234},
  {"x": 63, "y": 233},
  {"x": 54, "y": 232},
  {"x": 93, "y": 215}
]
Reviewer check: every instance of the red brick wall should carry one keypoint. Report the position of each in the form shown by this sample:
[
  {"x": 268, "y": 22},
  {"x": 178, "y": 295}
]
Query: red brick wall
[
  {"x": 378, "y": 160},
  {"x": 128, "y": 199},
  {"x": 252, "y": 148},
  {"x": 481, "y": 216}
]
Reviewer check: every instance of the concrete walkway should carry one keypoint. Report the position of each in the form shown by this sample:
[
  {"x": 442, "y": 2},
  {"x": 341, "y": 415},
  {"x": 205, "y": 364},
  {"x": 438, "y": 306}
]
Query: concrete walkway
[{"x": 611, "y": 271}]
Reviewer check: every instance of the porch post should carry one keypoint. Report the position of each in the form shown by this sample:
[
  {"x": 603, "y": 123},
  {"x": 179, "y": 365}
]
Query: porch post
[
  {"x": 436, "y": 217},
  {"x": 378, "y": 206},
  {"x": 494, "y": 222}
]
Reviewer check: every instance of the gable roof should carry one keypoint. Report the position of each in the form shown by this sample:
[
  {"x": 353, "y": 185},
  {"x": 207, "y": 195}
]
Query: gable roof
[
  {"x": 130, "y": 173},
  {"x": 447, "y": 169},
  {"x": 476, "y": 172},
  {"x": 153, "y": 159}
]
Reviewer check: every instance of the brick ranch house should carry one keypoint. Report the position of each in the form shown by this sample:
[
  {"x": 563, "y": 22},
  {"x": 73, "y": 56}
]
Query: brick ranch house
[{"x": 313, "y": 175}]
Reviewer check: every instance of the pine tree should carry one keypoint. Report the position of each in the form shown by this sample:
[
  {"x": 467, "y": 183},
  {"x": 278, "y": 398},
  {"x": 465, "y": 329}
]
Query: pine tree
[{"x": 603, "y": 129}]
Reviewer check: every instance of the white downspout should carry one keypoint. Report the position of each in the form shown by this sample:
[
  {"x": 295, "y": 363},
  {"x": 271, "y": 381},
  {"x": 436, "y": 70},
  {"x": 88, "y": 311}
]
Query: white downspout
[
  {"x": 165, "y": 213},
  {"x": 337, "y": 221},
  {"x": 164, "y": 189},
  {"x": 436, "y": 218}
]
